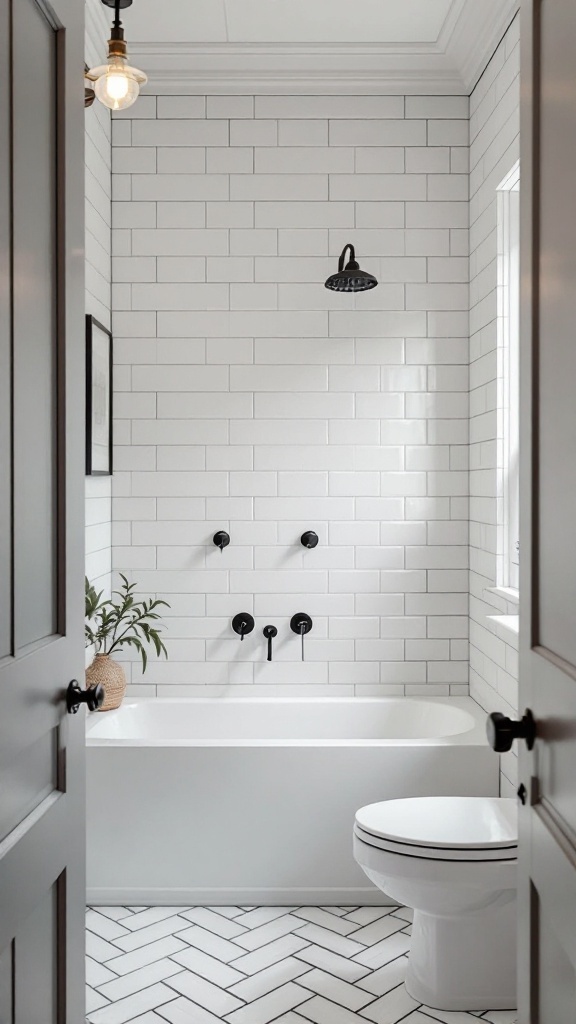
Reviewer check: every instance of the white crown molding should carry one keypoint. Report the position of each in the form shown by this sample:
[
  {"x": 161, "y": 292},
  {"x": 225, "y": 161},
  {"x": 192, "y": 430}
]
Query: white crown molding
[
  {"x": 471, "y": 34},
  {"x": 300, "y": 69},
  {"x": 451, "y": 65}
]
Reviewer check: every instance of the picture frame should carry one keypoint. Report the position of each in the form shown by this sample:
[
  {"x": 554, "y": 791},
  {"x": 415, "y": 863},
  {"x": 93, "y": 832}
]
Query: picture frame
[{"x": 99, "y": 380}]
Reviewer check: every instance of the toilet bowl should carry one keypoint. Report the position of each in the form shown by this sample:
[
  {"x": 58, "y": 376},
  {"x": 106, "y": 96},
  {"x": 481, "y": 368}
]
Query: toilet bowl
[{"x": 453, "y": 860}]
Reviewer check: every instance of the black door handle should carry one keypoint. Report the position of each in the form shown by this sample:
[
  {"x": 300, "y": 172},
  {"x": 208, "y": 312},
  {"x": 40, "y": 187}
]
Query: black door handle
[
  {"x": 93, "y": 697},
  {"x": 502, "y": 731}
]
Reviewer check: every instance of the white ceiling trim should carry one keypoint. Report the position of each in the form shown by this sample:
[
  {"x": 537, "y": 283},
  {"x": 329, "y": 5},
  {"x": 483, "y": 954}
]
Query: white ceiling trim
[
  {"x": 473, "y": 36},
  {"x": 307, "y": 69},
  {"x": 451, "y": 65}
]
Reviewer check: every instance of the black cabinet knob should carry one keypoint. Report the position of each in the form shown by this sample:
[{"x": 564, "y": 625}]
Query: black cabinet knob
[
  {"x": 243, "y": 623},
  {"x": 502, "y": 731},
  {"x": 93, "y": 697}
]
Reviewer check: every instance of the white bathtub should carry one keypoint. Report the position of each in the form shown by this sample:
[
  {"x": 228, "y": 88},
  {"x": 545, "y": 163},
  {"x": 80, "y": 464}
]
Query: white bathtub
[{"x": 252, "y": 801}]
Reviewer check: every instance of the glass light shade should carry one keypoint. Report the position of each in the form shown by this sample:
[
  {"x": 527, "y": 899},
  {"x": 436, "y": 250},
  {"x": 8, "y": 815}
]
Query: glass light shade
[{"x": 117, "y": 84}]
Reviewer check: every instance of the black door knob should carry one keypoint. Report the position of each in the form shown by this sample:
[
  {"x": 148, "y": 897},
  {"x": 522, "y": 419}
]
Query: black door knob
[
  {"x": 502, "y": 731},
  {"x": 93, "y": 697}
]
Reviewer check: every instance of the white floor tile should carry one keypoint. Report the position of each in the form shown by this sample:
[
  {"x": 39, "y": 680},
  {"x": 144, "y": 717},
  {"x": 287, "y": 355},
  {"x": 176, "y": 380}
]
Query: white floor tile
[
  {"x": 334, "y": 924},
  {"x": 270, "y": 954},
  {"x": 385, "y": 951},
  {"x": 104, "y": 927},
  {"x": 206, "y": 918},
  {"x": 127, "y": 1009},
  {"x": 210, "y": 943},
  {"x": 366, "y": 915},
  {"x": 147, "y": 917},
  {"x": 323, "y": 1011},
  {"x": 97, "y": 974},
  {"x": 270, "y": 1006},
  {"x": 390, "y": 1008},
  {"x": 211, "y": 997},
  {"x": 257, "y": 937},
  {"x": 337, "y": 943},
  {"x": 94, "y": 1000},
  {"x": 255, "y": 965},
  {"x": 341, "y": 966},
  {"x": 262, "y": 915},
  {"x": 385, "y": 978},
  {"x": 271, "y": 977},
  {"x": 147, "y": 954},
  {"x": 208, "y": 967},
  {"x": 182, "y": 1011},
  {"x": 341, "y": 992},
  {"x": 137, "y": 980},
  {"x": 133, "y": 940}
]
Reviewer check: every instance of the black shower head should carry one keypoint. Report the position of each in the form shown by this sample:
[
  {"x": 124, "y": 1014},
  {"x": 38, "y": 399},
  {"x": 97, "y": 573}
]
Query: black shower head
[{"x": 350, "y": 278}]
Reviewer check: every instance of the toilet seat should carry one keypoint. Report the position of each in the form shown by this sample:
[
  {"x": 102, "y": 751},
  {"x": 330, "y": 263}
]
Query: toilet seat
[{"x": 441, "y": 828}]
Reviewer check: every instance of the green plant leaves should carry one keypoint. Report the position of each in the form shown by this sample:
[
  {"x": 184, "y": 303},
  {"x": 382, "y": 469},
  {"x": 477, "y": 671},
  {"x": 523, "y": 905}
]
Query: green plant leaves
[{"x": 123, "y": 623}]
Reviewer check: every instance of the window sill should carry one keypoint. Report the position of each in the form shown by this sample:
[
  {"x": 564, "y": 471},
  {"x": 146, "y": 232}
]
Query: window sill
[
  {"x": 506, "y": 593},
  {"x": 506, "y": 628}
]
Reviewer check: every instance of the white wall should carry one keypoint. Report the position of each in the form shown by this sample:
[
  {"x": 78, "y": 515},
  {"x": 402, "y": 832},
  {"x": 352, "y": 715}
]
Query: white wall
[
  {"x": 249, "y": 398},
  {"x": 494, "y": 149},
  {"x": 98, "y": 287}
]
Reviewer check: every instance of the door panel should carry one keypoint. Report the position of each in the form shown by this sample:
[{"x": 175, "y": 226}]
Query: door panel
[
  {"x": 42, "y": 887},
  {"x": 547, "y": 854},
  {"x": 35, "y": 254}
]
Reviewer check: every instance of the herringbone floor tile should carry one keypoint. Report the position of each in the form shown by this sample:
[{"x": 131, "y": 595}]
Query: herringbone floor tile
[{"x": 255, "y": 965}]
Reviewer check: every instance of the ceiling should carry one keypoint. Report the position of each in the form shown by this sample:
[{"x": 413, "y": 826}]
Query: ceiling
[
  {"x": 311, "y": 46},
  {"x": 279, "y": 21}
]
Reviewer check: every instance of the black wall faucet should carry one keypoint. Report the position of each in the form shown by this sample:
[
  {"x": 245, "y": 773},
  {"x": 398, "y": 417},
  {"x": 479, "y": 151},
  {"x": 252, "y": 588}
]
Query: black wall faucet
[
  {"x": 270, "y": 632},
  {"x": 243, "y": 623},
  {"x": 301, "y": 623}
]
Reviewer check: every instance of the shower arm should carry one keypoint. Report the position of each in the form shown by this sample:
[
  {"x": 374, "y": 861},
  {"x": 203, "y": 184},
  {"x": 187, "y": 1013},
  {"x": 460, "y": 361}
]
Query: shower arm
[{"x": 343, "y": 255}]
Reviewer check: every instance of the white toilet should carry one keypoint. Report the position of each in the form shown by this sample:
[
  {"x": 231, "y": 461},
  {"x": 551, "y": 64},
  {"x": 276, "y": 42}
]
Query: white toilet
[{"x": 453, "y": 859}]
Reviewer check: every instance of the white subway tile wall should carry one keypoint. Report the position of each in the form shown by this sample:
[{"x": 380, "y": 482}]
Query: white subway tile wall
[
  {"x": 494, "y": 149},
  {"x": 251, "y": 399},
  {"x": 98, "y": 212}
]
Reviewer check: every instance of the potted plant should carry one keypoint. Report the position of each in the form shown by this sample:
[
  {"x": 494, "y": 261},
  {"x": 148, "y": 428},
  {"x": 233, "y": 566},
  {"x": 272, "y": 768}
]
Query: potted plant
[{"x": 112, "y": 625}]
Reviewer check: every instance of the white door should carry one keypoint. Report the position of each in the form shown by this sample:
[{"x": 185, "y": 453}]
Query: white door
[{"x": 547, "y": 894}]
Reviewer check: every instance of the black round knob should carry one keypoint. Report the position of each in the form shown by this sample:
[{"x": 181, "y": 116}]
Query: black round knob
[
  {"x": 309, "y": 539},
  {"x": 301, "y": 623},
  {"x": 243, "y": 623},
  {"x": 502, "y": 731},
  {"x": 221, "y": 539},
  {"x": 93, "y": 697}
]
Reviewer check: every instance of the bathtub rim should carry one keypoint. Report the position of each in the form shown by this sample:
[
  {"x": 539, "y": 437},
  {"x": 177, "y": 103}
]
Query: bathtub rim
[{"x": 474, "y": 736}]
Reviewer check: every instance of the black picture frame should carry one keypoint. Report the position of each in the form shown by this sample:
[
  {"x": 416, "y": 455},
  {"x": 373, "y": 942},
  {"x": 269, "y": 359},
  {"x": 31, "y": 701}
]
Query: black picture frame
[{"x": 99, "y": 392}]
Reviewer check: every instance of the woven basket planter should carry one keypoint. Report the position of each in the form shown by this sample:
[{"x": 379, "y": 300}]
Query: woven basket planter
[{"x": 111, "y": 676}]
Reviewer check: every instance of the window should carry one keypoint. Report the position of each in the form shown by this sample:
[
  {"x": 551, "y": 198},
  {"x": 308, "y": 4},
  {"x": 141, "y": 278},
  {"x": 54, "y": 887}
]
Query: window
[{"x": 508, "y": 378}]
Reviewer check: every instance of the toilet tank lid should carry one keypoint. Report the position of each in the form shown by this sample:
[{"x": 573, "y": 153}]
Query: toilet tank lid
[{"x": 444, "y": 822}]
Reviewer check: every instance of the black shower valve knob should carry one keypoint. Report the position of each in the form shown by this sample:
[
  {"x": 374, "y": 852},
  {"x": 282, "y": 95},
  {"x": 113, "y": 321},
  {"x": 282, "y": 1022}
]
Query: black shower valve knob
[
  {"x": 221, "y": 539},
  {"x": 243, "y": 623},
  {"x": 309, "y": 539}
]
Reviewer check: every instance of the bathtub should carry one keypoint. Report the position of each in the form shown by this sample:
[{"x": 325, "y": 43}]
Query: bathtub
[{"x": 251, "y": 801}]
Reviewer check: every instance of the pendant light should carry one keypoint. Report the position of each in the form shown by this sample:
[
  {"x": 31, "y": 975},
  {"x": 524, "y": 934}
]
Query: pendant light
[
  {"x": 350, "y": 278},
  {"x": 117, "y": 84}
]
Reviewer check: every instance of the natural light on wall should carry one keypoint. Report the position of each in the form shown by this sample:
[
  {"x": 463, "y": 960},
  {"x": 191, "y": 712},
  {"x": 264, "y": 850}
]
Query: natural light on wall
[{"x": 508, "y": 378}]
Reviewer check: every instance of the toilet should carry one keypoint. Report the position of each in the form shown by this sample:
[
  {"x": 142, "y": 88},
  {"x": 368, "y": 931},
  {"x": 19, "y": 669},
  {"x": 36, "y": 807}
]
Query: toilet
[{"x": 453, "y": 860}]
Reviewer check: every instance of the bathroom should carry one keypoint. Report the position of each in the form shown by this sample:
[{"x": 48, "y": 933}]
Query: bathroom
[{"x": 303, "y": 804}]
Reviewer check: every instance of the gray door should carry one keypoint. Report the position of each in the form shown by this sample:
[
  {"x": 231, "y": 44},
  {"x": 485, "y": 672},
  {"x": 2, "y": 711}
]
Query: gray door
[
  {"x": 547, "y": 891},
  {"x": 41, "y": 511}
]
